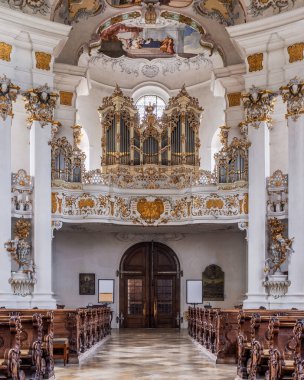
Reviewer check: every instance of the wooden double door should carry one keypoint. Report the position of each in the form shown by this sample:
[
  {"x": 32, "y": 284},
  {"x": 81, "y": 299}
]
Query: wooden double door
[{"x": 149, "y": 287}]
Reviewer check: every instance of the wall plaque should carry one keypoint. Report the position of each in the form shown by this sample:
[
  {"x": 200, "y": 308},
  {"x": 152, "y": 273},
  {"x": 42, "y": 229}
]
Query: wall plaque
[
  {"x": 86, "y": 284},
  {"x": 213, "y": 283}
]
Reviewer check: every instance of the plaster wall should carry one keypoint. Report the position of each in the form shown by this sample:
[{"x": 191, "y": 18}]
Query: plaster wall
[{"x": 100, "y": 253}]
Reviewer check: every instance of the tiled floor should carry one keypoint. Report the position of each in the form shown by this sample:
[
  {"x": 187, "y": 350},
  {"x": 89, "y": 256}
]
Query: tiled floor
[{"x": 147, "y": 354}]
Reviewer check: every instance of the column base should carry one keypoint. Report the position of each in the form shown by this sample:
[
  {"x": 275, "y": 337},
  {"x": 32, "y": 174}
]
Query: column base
[
  {"x": 255, "y": 301},
  {"x": 44, "y": 301},
  {"x": 289, "y": 301},
  {"x": 41, "y": 301}
]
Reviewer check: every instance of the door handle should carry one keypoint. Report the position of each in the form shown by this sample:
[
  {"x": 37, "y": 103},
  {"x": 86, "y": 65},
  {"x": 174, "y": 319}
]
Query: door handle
[
  {"x": 145, "y": 309},
  {"x": 155, "y": 309}
]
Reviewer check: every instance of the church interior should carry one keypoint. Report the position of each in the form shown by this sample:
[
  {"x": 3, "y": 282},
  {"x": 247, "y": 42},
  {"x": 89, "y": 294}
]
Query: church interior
[{"x": 150, "y": 188}]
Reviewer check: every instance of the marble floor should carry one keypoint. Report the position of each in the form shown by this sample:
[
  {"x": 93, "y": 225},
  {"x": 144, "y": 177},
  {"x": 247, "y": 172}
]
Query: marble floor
[{"x": 147, "y": 354}]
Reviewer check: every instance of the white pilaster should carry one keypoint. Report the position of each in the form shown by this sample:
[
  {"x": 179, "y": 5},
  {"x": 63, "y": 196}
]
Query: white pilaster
[
  {"x": 40, "y": 169},
  {"x": 257, "y": 244},
  {"x": 5, "y": 201},
  {"x": 295, "y": 295}
]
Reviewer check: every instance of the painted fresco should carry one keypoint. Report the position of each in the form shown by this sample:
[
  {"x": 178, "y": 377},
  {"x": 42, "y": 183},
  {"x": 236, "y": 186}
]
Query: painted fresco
[
  {"x": 130, "y": 3},
  {"x": 126, "y": 38}
]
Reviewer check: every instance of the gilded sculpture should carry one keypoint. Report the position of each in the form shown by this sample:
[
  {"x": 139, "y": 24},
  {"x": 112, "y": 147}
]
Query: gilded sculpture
[
  {"x": 8, "y": 95},
  {"x": 150, "y": 211},
  {"x": 293, "y": 95},
  {"x": 280, "y": 247},
  {"x": 40, "y": 103},
  {"x": 24, "y": 279}
]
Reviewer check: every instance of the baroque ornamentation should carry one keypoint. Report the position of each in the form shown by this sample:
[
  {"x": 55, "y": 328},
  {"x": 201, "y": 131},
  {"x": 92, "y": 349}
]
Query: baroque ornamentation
[
  {"x": 43, "y": 60},
  {"x": 71, "y": 11},
  {"x": 150, "y": 210},
  {"x": 150, "y": 69},
  {"x": 5, "y": 51},
  {"x": 232, "y": 159},
  {"x": 255, "y": 62},
  {"x": 277, "y": 187},
  {"x": 66, "y": 98},
  {"x": 295, "y": 52},
  {"x": 56, "y": 225},
  {"x": 221, "y": 11},
  {"x": 276, "y": 282},
  {"x": 40, "y": 104},
  {"x": 29, "y": 6},
  {"x": 259, "y": 105},
  {"x": 129, "y": 237},
  {"x": 234, "y": 99},
  {"x": 293, "y": 95},
  {"x": 24, "y": 279},
  {"x": 8, "y": 95},
  {"x": 22, "y": 188},
  {"x": 257, "y": 7}
]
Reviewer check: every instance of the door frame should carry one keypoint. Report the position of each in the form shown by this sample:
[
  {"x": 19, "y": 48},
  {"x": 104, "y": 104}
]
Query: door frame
[{"x": 137, "y": 273}]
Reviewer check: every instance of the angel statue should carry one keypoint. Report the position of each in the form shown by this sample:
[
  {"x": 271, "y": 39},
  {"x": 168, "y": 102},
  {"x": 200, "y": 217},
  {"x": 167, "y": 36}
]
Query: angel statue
[{"x": 280, "y": 248}]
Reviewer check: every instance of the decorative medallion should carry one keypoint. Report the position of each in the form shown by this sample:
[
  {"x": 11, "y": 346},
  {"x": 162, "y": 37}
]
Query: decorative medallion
[
  {"x": 234, "y": 99},
  {"x": 295, "y": 52},
  {"x": 43, "y": 60},
  {"x": 66, "y": 98},
  {"x": 150, "y": 211},
  {"x": 5, "y": 51},
  {"x": 255, "y": 62}
]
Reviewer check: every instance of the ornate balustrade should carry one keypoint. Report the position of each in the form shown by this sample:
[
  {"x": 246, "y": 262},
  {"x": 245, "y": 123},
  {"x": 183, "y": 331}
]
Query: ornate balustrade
[
  {"x": 22, "y": 188},
  {"x": 277, "y": 187},
  {"x": 106, "y": 204}
]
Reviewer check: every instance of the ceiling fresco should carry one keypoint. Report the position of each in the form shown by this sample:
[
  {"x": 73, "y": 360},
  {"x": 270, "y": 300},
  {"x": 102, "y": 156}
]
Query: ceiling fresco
[
  {"x": 130, "y": 3},
  {"x": 129, "y": 35}
]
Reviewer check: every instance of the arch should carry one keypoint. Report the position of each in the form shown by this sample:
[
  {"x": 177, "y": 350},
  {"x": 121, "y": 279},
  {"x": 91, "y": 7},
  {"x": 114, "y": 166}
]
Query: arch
[{"x": 149, "y": 286}]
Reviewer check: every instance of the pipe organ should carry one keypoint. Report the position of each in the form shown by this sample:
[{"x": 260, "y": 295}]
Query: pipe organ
[
  {"x": 172, "y": 140},
  {"x": 67, "y": 160},
  {"x": 232, "y": 160}
]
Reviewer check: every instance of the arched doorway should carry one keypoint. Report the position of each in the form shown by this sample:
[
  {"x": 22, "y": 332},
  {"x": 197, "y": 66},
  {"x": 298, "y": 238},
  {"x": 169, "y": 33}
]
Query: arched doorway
[{"x": 149, "y": 286}]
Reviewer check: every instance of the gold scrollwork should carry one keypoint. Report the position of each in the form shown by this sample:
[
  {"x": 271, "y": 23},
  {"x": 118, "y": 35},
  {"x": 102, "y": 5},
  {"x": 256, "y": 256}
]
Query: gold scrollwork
[
  {"x": 66, "y": 98},
  {"x": 255, "y": 62},
  {"x": 150, "y": 211},
  {"x": 295, "y": 52},
  {"x": 43, "y": 60},
  {"x": 5, "y": 51},
  {"x": 234, "y": 99}
]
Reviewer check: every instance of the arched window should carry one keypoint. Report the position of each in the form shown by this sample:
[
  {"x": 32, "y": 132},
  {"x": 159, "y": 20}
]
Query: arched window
[{"x": 153, "y": 100}]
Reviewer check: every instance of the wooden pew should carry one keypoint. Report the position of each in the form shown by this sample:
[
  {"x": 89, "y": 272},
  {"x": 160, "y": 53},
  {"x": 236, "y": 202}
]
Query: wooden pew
[{"x": 10, "y": 334}]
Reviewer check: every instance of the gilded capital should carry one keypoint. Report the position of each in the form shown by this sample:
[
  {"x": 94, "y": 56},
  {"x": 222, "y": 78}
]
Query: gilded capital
[
  {"x": 293, "y": 95},
  {"x": 8, "y": 95},
  {"x": 40, "y": 104},
  {"x": 259, "y": 105}
]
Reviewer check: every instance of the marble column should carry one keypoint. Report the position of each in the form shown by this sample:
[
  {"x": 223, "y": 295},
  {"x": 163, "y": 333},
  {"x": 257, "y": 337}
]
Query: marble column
[
  {"x": 40, "y": 169},
  {"x": 5, "y": 201},
  {"x": 258, "y": 107},
  {"x": 293, "y": 94}
]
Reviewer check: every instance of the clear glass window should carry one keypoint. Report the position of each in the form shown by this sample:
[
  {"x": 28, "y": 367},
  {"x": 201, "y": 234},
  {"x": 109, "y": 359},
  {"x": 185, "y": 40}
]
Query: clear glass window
[{"x": 153, "y": 100}]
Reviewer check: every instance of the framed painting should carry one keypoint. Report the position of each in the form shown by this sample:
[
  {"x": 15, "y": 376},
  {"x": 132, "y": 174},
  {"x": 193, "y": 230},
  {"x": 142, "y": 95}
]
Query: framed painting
[
  {"x": 214, "y": 283},
  {"x": 106, "y": 291},
  {"x": 87, "y": 284}
]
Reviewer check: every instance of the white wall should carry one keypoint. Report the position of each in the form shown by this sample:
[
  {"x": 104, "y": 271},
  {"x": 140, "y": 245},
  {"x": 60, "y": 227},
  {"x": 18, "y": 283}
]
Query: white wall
[{"x": 100, "y": 253}]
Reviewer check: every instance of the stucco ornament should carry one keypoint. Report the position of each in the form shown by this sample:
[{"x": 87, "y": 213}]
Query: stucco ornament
[
  {"x": 259, "y": 105},
  {"x": 8, "y": 95},
  {"x": 29, "y": 6},
  {"x": 293, "y": 95}
]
